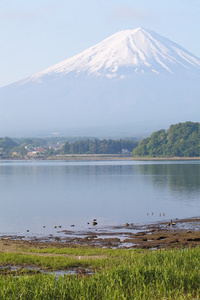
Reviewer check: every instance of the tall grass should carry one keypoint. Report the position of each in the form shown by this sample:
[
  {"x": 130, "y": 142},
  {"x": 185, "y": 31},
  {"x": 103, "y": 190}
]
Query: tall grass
[{"x": 170, "y": 274}]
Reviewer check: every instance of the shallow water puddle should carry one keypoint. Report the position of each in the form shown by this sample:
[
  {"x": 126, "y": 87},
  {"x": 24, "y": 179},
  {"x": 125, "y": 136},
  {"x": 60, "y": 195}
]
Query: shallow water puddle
[
  {"x": 127, "y": 245},
  {"x": 9, "y": 269}
]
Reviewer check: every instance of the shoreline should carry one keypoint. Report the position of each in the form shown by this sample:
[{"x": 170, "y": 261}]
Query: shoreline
[
  {"x": 179, "y": 233},
  {"x": 99, "y": 157}
]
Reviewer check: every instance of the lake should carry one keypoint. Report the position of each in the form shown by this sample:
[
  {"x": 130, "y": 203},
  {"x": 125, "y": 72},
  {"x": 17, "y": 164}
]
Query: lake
[{"x": 34, "y": 194}]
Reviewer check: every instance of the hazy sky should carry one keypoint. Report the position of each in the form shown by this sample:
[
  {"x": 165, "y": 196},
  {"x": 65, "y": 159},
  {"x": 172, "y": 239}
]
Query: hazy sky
[{"x": 37, "y": 34}]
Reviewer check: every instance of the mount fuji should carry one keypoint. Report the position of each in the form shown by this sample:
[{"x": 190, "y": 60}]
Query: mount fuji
[{"x": 132, "y": 83}]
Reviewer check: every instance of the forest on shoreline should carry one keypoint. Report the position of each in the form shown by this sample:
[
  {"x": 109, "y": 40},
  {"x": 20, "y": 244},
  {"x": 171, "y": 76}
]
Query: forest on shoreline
[
  {"x": 51, "y": 147},
  {"x": 180, "y": 140}
]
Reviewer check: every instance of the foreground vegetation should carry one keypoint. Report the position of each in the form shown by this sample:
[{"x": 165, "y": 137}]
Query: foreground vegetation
[
  {"x": 118, "y": 274},
  {"x": 180, "y": 140}
]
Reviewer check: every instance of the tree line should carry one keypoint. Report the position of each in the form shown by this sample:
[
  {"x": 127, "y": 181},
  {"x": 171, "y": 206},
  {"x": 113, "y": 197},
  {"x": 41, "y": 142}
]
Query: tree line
[
  {"x": 180, "y": 140},
  {"x": 21, "y": 147},
  {"x": 96, "y": 146}
]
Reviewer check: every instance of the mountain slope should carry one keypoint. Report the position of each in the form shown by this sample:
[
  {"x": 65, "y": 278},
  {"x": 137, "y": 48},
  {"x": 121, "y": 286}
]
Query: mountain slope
[
  {"x": 128, "y": 51},
  {"x": 135, "y": 79}
]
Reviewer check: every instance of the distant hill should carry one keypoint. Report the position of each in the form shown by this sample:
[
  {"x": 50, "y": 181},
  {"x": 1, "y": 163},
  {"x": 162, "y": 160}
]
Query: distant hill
[
  {"x": 180, "y": 140},
  {"x": 7, "y": 143}
]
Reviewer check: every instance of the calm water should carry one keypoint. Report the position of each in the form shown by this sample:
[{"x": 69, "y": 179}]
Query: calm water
[{"x": 34, "y": 194}]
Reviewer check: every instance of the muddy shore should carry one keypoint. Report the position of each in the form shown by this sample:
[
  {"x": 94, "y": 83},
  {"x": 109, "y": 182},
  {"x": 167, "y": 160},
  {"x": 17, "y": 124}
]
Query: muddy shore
[{"x": 173, "y": 234}]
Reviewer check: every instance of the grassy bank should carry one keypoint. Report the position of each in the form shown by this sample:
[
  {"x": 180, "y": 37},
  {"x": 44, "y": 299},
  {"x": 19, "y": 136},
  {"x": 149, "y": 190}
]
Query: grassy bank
[{"x": 117, "y": 274}]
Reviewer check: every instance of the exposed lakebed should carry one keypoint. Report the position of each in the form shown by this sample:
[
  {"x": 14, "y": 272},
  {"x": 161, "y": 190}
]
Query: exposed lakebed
[{"x": 174, "y": 233}]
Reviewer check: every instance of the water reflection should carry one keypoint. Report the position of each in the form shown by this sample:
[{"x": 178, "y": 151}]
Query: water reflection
[
  {"x": 177, "y": 176},
  {"x": 33, "y": 194}
]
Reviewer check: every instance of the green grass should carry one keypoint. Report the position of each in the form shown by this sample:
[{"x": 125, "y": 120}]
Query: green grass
[
  {"x": 49, "y": 262},
  {"x": 120, "y": 274},
  {"x": 80, "y": 250}
]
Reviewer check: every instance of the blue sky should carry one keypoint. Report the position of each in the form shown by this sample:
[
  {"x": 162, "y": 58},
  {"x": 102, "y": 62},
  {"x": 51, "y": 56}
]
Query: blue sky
[{"x": 37, "y": 34}]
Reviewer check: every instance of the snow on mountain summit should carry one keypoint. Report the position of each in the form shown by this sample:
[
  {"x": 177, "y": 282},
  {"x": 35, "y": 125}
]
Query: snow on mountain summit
[
  {"x": 128, "y": 52},
  {"x": 105, "y": 89}
]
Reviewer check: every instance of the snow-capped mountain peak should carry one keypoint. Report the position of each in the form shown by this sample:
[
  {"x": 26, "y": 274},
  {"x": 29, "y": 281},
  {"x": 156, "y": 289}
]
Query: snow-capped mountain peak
[
  {"x": 105, "y": 89},
  {"x": 128, "y": 52}
]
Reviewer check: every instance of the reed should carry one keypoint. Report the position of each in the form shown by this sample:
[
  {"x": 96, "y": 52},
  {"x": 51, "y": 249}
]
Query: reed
[{"x": 121, "y": 274}]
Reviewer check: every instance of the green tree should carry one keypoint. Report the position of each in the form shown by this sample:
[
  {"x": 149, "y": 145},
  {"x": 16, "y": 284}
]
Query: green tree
[{"x": 182, "y": 139}]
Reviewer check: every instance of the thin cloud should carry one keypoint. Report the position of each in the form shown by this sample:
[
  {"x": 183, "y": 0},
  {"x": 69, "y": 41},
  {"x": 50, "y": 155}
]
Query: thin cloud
[
  {"x": 27, "y": 15},
  {"x": 127, "y": 13}
]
